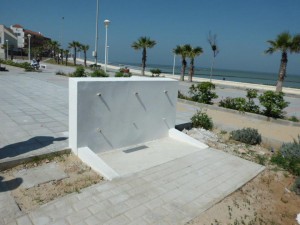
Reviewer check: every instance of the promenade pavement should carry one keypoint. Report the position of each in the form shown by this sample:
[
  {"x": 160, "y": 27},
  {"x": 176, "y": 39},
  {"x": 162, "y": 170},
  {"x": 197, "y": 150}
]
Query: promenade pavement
[{"x": 34, "y": 120}]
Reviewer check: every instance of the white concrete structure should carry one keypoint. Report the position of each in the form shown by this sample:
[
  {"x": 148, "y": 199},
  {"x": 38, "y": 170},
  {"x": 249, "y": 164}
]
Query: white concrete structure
[{"x": 111, "y": 117}]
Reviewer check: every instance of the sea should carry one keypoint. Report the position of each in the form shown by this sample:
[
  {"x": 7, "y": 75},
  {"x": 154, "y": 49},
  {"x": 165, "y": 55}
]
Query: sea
[{"x": 291, "y": 80}]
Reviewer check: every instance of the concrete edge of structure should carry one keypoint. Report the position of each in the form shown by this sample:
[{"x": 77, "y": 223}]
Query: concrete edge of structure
[
  {"x": 7, "y": 164},
  {"x": 173, "y": 133},
  {"x": 96, "y": 163},
  {"x": 245, "y": 114}
]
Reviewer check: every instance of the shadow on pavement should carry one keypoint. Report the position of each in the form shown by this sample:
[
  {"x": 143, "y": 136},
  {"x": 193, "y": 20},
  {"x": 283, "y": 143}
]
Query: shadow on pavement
[
  {"x": 31, "y": 144},
  {"x": 10, "y": 184}
]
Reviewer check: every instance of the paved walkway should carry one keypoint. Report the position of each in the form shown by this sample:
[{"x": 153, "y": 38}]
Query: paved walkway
[
  {"x": 33, "y": 113},
  {"x": 171, "y": 193}
]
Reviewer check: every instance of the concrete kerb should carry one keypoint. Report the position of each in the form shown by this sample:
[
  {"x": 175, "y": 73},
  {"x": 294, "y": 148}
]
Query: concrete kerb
[
  {"x": 245, "y": 114},
  {"x": 20, "y": 160}
]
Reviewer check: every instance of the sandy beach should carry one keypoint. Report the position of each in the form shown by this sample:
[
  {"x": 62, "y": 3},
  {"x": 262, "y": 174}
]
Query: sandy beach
[{"x": 241, "y": 85}]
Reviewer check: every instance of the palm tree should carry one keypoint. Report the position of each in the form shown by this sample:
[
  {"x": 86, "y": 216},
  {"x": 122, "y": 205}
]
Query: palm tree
[
  {"x": 84, "y": 48},
  {"x": 182, "y": 50},
  {"x": 53, "y": 46},
  {"x": 296, "y": 42},
  {"x": 143, "y": 43},
  {"x": 192, "y": 53},
  {"x": 76, "y": 47},
  {"x": 66, "y": 54},
  {"x": 284, "y": 43},
  {"x": 212, "y": 40}
]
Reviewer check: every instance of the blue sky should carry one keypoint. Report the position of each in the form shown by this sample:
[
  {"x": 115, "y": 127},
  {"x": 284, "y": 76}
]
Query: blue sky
[{"x": 242, "y": 27}]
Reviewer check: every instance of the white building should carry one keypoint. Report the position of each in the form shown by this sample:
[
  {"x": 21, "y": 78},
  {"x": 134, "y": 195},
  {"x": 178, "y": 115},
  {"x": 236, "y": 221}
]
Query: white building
[
  {"x": 7, "y": 36},
  {"x": 20, "y": 32}
]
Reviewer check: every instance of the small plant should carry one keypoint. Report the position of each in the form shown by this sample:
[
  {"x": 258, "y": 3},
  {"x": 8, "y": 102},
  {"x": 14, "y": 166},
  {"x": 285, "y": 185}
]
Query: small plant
[
  {"x": 99, "y": 73},
  {"x": 182, "y": 96},
  {"x": 293, "y": 119},
  {"x": 203, "y": 93},
  {"x": 296, "y": 186},
  {"x": 233, "y": 103},
  {"x": 123, "y": 73},
  {"x": 274, "y": 104},
  {"x": 156, "y": 72},
  {"x": 246, "y": 135},
  {"x": 61, "y": 73},
  {"x": 288, "y": 157},
  {"x": 79, "y": 72},
  {"x": 95, "y": 67},
  {"x": 261, "y": 159},
  {"x": 251, "y": 94},
  {"x": 201, "y": 119}
]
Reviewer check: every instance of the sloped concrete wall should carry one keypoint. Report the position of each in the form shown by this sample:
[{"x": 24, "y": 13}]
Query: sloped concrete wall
[{"x": 109, "y": 113}]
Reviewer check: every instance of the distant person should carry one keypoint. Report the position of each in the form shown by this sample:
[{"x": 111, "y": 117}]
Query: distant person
[{"x": 38, "y": 61}]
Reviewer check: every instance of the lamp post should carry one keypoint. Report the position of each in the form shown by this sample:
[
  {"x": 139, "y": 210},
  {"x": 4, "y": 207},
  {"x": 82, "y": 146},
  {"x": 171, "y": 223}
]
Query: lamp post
[
  {"x": 174, "y": 60},
  {"x": 29, "y": 36},
  {"x": 6, "y": 49},
  {"x": 107, "y": 54},
  {"x": 106, "y": 23},
  {"x": 96, "y": 38}
]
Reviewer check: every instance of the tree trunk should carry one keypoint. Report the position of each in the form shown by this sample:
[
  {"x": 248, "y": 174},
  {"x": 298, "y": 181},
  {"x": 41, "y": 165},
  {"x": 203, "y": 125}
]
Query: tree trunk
[
  {"x": 66, "y": 59},
  {"x": 191, "y": 72},
  {"x": 75, "y": 51},
  {"x": 144, "y": 58},
  {"x": 211, "y": 68},
  {"x": 282, "y": 72},
  {"x": 85, "y": 58},
  {"x": 183, "y": 66}
]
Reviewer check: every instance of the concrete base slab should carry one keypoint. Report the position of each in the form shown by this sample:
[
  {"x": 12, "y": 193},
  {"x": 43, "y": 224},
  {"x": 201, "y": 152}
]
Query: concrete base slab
[
  {"x": 39, "y": 175},
  {"x": 136, "y": 158}
]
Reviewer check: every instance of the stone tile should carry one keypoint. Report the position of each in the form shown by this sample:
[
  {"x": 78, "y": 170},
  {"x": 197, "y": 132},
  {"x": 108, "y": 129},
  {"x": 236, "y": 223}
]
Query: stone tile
[
  {"x": 119, "y": 220},
  {"x": 79, "y": 216},
  {"x": 137, "y": 212},
  {"x": 24, "y": 220},
  {"x": 116, "y": 210}
]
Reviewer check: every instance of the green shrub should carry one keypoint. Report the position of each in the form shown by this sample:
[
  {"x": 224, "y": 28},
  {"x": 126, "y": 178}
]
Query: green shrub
[
  {"x": 296, "y": 186},
  {"x": 293, "y": 119},
  {"x": 182, "y": 96},
  {"x": 95, "y": 67},
  {"x": 203, "y": 93},
  {"x": 247, "y": 136},
  {"x": 251, "y": 107},
  {"x": 123, "y": 74},
  {"x": 61, "y": 73},
  {"x": 79, "y": 72},
  {"x": 156, "y": 72},
  {"x": 99, "y": 73},
  {"x": 251, "y": 94},
  {"x": 201, "y": 119},
  {"x": 233, "y": 103},
  {"x": 288, "y": 157},
  {"x": 273, "y": 103}
]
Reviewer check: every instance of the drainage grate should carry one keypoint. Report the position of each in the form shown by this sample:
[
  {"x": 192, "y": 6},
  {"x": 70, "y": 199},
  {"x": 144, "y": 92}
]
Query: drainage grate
[{"x": 135, "y": 149}]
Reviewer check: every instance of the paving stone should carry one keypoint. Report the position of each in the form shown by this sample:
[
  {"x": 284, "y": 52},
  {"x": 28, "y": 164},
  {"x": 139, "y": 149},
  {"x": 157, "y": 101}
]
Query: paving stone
[
  {"x": 119, "y": 220},
  {"x": 24, "y": 220},
  {"x": 79, "y": 216}
]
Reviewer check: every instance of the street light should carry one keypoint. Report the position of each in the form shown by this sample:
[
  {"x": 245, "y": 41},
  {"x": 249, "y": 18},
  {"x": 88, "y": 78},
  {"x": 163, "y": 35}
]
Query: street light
[
  {"x": 107, "y": 54},
  {"x": 29, "y": 36},
  {"x": 106, "y": 23},
  {"x": 6, "y": 49},
  {"x": 96, "y": 38},
  {"x": 174, "y": 64}
]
